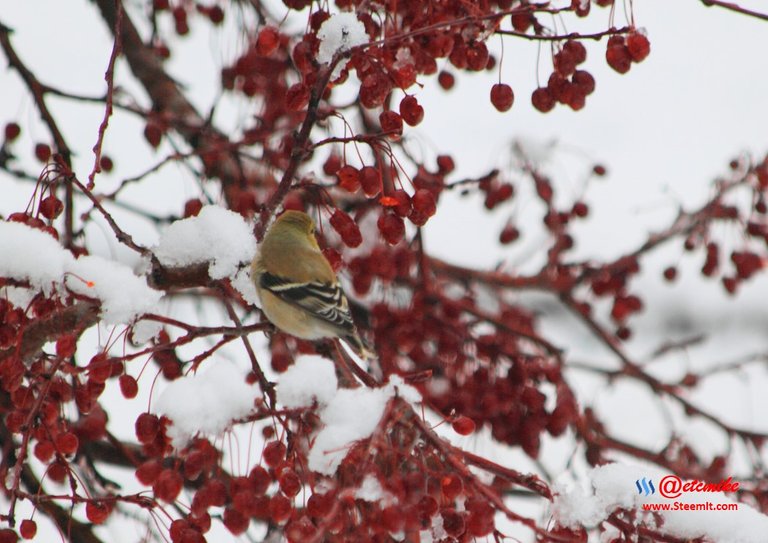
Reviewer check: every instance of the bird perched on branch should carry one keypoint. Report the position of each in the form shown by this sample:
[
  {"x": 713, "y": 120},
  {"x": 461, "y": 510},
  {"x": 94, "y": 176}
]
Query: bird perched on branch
[{"x": 297, "y": 286}]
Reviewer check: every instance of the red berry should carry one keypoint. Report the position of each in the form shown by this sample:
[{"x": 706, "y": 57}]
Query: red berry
[
  {"x": 99, "y": 368},
  {"x": 453, "y": 522},
  {"x": 279, "y": 508},
  {"x": 268, "y": 40},
  {"x": 477, "y": 56},
  {"x": 399, "y": 201},
  {"x": 424, "y": 207},
  {"x": 446, "y": 80},
  {"x": 332, "y": 164},
  {"x": 618, "y": 57},
  {"x": 215, "y": 492},
  {"x": 259, "y": 479},
  {"x": 584, "y": 81},
  {"x": 44, "y": 450},
  {"x": 638, "y": 45},
  {"x": 147, "y": 472},
  {"x": 410, "y": 110},
  {"x": 51, "y": 207},
  {"x": 128, "y": 386},
  {"x": 670, "y": 273},
  {"x": 502, "y": 96},
  {"x": 297, "y": 97},
  {"x": 177, "y": 529},
  {"x": 521, "y": 22},
  {"x": 168, "y": 485},
  {"x": 576, "y": 50},
  {"x": 480, "y": 518},
  {"x": 349, "y": 178},
  {"x": 42, "y": 152},
  {"x": 445, "y": 164},
  {"x": 19, "y": 217},
  {"x": 303, "y": 57},
  {"x": 391, "y": 122},
  {"x": 58, "y": 471},
  {"x": 374, "y": 89},
  {"x": 730, "y": 284},
  {"x": 370, "y": 180},
  {"x": 463, "y": 425},
  {"x": 147, "y": 427},
  {"x": 318, "y": 505},
  {"x": 28, "y": 528},
  {"x": 581, "y": 8},
  {"x": 564, "y": 63},
  {"x": 106, "y": 164},
  {"x": 153, "y": 134},
  {"x": 235, "y": 521},
  {"x": 346, "y": 228},
  {"x": 580, "y": 209},
  {"x": 97, "y": 512},
  {"x": 543, "y": 100},
  {"x": 289, "y": 482},
  {"x": 404, "y": 76},
  {"x": 180, "y": 21},
  {"x": 67, "y": 443},
  {"x": 192, "y": 208},
  {"x": 12, "y": 131},
  {"x": 451, "y": 486},
  {"x": 440, "y": 44},
  {"x": 392, "y": 227},
  {"x": 509, "y": 234},
  {"x": 216, "y": 15},
  {"x": 66, "y": 346},
  {"x": 274, "y": 453}
]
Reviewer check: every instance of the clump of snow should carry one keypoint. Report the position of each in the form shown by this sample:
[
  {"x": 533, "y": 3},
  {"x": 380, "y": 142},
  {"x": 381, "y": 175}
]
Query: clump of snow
[
  {"x": 340, "y": 32},
  {"x": 217, "y": 236},
  {"x": 613, "y": 487},
  {"x": 243, "y": 283},
  {"x": 123, "y": 295},
  {"x": 310, "y": 378},
  {"x": 207, "y": 402},
  {"x": 144, "y": 331},
  {"x": 370, "y": 490},
  {"x": 348, "y": 415},
  {"x": 31, "y": 255},
  {"x": 398, "y": 387},
  {"x": 35, "y": 257}
]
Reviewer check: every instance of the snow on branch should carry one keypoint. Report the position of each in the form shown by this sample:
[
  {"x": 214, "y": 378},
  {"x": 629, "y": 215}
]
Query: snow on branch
[{"x": 34, "y": 257}]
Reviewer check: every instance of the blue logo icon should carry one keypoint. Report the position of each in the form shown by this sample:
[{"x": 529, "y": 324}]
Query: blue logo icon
[{"x": 646, "y": 488}]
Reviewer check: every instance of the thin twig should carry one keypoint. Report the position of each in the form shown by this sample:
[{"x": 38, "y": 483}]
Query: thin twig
[{"x": 109, "y": 77}]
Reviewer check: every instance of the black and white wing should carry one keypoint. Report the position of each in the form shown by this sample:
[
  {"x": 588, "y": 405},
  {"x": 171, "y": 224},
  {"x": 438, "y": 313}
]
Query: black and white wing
[{"x": 324, "y": 301}]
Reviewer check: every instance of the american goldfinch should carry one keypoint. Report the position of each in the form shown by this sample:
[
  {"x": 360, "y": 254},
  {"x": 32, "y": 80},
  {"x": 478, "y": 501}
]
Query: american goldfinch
[{"x": 298, "y": 289}]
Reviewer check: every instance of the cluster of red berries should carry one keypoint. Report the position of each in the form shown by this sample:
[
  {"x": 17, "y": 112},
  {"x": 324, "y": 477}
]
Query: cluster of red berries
[
  {"x": 612, "y": 280},
  {"x": 622, "y": 51},
  {"x": 567, "y": 84},
  {"x": 513, "y": 407},
  {"x": 383, "y": 264}
]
